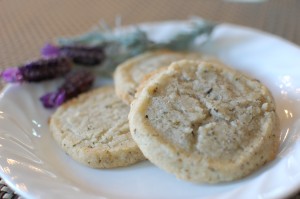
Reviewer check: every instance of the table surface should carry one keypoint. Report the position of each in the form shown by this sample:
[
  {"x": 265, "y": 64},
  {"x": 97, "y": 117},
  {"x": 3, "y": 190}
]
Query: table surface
[{"x": 25, "y": 26}]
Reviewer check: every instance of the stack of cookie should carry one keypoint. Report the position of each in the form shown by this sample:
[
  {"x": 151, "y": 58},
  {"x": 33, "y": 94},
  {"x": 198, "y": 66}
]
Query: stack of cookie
[{"x": 195, "y": 118}]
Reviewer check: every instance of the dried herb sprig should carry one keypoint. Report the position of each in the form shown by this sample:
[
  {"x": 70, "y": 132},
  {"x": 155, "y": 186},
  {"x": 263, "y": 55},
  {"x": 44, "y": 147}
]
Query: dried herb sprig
[
  {"x": 75, "y": 83},
  {"x": 36, "y": 71},
  {"x": 83, "y": 55}
]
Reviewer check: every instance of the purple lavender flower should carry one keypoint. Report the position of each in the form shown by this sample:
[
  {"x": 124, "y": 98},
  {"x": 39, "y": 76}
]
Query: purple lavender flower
[
  {"x": 12, "y": 75},
  {"x": 39, "y": 70},
  {"x": 53, "y": 99},
  {"x": 75, "y": 83},
  {"x": 83, "y": 55},
  {"x": 50, "y": 50}
]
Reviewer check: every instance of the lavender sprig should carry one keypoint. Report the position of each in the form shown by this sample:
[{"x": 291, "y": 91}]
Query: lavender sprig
[
  {"x": 75, "y": 83},
  {"x": 83, "y": 55},
  {"x": 36, "y": 71}
]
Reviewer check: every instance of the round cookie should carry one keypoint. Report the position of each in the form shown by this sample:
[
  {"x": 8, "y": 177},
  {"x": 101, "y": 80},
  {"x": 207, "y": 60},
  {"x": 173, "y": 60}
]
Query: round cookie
[
  {"x": 205, "y": 123},
  {"x": 93, "y": 129},
  {"x": 129, "y": 74}
]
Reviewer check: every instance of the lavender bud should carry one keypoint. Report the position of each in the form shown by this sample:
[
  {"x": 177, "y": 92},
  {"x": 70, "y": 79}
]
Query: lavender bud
[
  {"x": 12, "y": 75},
  {"x": 39, "y": 70},
  {"x": 50, "y": 50},
  {"x": 75, "y": 83},
  {"x": 82, "y": 55}
]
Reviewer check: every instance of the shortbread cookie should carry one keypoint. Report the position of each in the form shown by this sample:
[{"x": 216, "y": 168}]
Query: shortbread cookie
[
  {"x": 205, "y": 123},
  {"x": 129, "y": 74},
  {"x": 93, "y": 129}
]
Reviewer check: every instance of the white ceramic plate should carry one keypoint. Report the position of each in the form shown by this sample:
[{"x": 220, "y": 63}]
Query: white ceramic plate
[{"x": 33, "y": 164}]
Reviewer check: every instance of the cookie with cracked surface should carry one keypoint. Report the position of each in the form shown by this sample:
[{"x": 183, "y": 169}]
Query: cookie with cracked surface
[
  {"x": 93, "y": 129},
  {"x": 205, "y": 123},
  {"x": 129, "y": 74}
]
